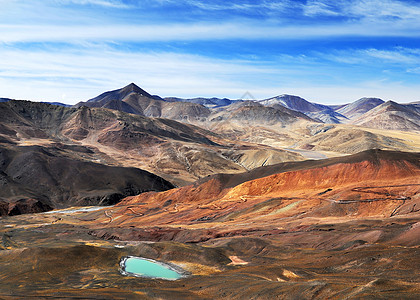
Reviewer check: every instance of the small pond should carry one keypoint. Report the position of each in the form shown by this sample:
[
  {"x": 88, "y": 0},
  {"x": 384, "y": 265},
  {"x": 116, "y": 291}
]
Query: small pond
[{"x": 143, "y": 267}]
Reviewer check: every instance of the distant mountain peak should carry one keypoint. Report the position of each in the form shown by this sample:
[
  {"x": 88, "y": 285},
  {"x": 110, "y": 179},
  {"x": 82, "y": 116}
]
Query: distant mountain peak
[
  {"x": 390, "y": 102},
  {"x": 288, "y": 96},
  {"x": 132, "y": 87},
  {"x": 370, "y": 99},
  {"x": 119, "y": 94},
  {"x": 295, "y": 103},
  {"x": 391, "y": 116},
  {"x": 356, "y": 109}
]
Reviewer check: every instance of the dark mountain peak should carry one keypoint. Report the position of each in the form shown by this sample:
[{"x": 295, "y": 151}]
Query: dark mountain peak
[
  {"x": 120, "y": 94},
  {"x": 390, "y": 102},
  {"x": 133, "y": 88}
]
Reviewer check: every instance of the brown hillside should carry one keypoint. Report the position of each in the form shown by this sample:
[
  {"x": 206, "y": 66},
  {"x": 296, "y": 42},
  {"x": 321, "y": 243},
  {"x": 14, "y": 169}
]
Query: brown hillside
[
  {"x": 179, "y": 152},
  {"x": 55, "y": 178},
  {"x": 391, "y": 116},
  {"x": 369, "y": 183}
]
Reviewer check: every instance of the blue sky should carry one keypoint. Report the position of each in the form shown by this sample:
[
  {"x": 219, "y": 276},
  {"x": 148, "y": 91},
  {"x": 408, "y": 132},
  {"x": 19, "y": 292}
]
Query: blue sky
[{"x": 326, "y": 51}]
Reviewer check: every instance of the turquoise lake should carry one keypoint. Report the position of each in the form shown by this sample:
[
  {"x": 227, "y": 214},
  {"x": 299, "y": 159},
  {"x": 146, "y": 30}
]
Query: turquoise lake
[{"x": 148, "y": 268}]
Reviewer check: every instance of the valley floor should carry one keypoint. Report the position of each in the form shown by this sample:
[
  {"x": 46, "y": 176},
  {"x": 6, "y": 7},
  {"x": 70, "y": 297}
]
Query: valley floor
[{"x": 75, "y": 254}]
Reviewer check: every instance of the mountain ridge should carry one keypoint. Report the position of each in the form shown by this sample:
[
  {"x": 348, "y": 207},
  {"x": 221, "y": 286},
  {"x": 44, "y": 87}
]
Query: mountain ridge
[
  {"x": 133, "y": 99},
  {"x": 392, "y": 116},
  {"x": 262, "y": 198}
]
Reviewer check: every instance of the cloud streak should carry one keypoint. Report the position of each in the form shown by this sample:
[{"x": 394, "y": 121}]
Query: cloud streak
[
  {"x": 345, "y": 8},
  {"x": 104, "y": 3},
  {"x": 90, "y": 70},
  {"x": 367, "y": 18},
  {"x": 198, "y": 31},
  {"x": 401, "y": 57},
  {"x": 83, "y": 74}
]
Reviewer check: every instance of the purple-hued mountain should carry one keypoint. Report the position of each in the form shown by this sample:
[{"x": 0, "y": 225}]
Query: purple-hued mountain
[
  {"x": 315, "y": 111},
  {"x": 392, "y": 116},
  {"x": 365, "y": 111},
  {"x": 359, "y": 107},
  {"x": 132, "y": 99}
]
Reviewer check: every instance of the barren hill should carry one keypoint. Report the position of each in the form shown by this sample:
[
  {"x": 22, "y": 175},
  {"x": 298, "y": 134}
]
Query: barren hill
[
  {"x": 177, "y": 151},
  {"x": 249, "y": 112},
  {"x": 35, "y": 178},
  {"x": 372, "y": 182},
  {"x": 133, "y": 99},
  {"x": 317, "y": 111},
  {"x": 121, "y": 94},
  {"x": 352, "y": 139},
  {"x": 359, "y": 107},
  {"x": 391, "y": 116},
  {"x": 295, "y": 103}
]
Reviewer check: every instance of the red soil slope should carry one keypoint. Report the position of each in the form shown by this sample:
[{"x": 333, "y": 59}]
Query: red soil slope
[{"x": 371, "y": 183}]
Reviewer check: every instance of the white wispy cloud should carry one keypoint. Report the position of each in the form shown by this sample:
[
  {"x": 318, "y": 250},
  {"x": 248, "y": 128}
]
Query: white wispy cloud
[
  {"x": 405, "y": 56},
  {"x": 367, "y": 18},
  {"x": 383, "y": 8},
  {"x": 104, "y": 3},
  {"x": 363, "y": 9},
  {"x": 414, "y": 70},
  {"x": 241, "y": 6},
  {"x": 345, "y": 8},
  {"x": 75, "y": 75},
  {"x": 198, "y": 31},
  {"x": 398, "y": 55},
  {"x": 316, "y": 7}
]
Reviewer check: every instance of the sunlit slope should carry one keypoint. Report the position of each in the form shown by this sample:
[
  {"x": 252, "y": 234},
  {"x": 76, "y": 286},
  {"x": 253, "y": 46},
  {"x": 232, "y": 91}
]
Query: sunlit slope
[{"x": 370, "y": 183}]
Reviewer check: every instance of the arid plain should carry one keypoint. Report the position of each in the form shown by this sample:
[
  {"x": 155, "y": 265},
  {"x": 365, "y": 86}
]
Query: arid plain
[{"x": 275, "y": 198}]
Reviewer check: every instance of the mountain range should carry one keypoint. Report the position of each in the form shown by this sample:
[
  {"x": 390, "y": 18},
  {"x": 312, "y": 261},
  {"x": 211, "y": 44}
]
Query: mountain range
[
  {"x": 133, "y": 99},
  {"x": 183, "y": 141},
  {"x": 264, "y": 199}
]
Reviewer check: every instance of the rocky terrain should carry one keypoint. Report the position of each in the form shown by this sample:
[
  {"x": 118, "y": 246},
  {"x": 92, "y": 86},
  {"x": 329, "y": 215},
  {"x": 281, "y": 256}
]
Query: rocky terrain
[
  {"x": 132, "y": 99},
  {"x": 359, "y": 107},
  {"x": 282, "y": 121},
  {"x": 178, "y": 152},
  {"x": 322, "y": 113},
  {"x": 391, "y": 115},
  {"x": 36, "y": 179},
  {"x": 337, "y": 228},
  {"x": 276, "y": 198}
]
